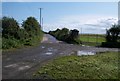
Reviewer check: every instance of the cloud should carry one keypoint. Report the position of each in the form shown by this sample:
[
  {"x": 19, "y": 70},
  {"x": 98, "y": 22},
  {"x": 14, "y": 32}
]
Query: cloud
[{"x": 88, "y": 23}]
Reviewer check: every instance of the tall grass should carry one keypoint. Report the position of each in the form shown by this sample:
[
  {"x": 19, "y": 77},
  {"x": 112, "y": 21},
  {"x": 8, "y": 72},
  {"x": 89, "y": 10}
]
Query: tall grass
[{"x": 14, "y": 43}]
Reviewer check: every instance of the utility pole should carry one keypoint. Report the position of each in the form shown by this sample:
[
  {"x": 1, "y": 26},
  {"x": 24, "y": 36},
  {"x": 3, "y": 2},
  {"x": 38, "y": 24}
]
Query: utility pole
[
  {"x": 42, "y": 24},
  {"x": 40, "y": 17}
]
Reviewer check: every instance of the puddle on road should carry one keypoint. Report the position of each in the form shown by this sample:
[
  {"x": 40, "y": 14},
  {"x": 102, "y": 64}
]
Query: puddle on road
[
  {"x": 43, "y": 47},
  {"x": 23, "y": 67},
  {"x": 49, "y": 53},
  {"x": 79, "y": 53},
  {"x": 50, "y": 49}
]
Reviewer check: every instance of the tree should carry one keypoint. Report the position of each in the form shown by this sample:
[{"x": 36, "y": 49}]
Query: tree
[
  {"x": 108, "y": 37},
  {"x": 31, "y": 26},
  {"x": 62, "y": 35},
  {"x": 9, "y": 27},
  {"x": 74, "y": 33},
  {"x": 112, "y": 34}
]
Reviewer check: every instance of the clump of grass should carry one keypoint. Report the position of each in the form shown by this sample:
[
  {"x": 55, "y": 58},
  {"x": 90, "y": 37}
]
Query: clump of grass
[
  {"x": 99, "y": 66},
  {"x": 15, "y": 43}
]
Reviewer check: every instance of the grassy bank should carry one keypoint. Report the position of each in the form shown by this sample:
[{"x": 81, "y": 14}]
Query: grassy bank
[
  {"x": 99, "y": 66},
  {"x": 92, "y": 39},
  {"x": 11, "y": 43}
]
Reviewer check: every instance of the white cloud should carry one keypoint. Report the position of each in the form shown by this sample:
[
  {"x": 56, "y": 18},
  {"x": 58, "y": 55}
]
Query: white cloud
[{"x": 88, "y": 23}]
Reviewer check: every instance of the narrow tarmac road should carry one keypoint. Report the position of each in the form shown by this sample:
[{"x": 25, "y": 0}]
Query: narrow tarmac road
[{"x": 22, "y": 63}]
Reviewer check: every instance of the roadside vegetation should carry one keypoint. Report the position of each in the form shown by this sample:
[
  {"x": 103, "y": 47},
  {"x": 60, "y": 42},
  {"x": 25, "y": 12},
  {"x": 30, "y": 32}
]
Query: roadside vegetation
[
  {"x": 69, "y": 36},
  {"x": 99, "y": 66},
  {"x": 73, "y": 36},
  {"x": 14, "y": 36},
  {"x": 112, "y": 37}
]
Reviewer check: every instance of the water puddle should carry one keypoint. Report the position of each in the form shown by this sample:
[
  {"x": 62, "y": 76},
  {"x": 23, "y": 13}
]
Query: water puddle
[
  {"x": 50, "y": 49},
  {"x": 49, "y": 53},
  {"x": 43, "y": 47},
  {"x": 23, "y": 67},
  {"x": 79, "y": 53}
]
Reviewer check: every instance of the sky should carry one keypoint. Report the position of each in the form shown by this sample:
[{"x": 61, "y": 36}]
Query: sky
[{"x": 87, "y": 17}]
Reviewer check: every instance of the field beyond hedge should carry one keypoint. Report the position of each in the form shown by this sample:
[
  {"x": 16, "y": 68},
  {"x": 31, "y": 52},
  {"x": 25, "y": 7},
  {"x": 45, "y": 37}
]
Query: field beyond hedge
[{"x": 91, "y": 39}]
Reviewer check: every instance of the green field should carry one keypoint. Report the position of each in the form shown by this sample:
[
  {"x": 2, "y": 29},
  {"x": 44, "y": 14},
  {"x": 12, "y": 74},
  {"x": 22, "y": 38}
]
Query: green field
[
  {"x": 99, "y": 66},
  {"x": 91, "y": 39}
]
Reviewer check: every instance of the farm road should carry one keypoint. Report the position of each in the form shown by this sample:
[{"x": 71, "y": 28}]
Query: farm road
[{"x": 22, "y": 63}]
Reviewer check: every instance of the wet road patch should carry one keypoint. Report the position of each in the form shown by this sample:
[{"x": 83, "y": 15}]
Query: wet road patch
[
  {"x": 79, "y": 53},
  {"x": 49, "y": 53},
  {"x": 24, "y": 67}
]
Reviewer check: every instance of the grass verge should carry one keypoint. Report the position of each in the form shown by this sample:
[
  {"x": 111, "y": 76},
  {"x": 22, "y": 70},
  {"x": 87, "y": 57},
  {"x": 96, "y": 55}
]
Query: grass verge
[{"x": 99, "y": 66}]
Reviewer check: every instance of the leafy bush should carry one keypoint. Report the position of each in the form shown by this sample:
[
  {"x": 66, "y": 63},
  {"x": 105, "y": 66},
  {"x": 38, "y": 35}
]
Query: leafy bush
[
  {"x": 14, "y": 36},
  {"x": 31, "y": 26},
  {"x": 66, "y": 35},
  {"x": 10, "y": 27},
  {"x": 112, "y": 35},
  {"x": 10, "y": 43}
]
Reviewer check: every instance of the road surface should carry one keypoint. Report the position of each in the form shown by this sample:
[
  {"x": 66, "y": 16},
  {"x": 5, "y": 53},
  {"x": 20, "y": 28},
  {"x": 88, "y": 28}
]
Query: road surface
[{"x": 22, "y": 63}]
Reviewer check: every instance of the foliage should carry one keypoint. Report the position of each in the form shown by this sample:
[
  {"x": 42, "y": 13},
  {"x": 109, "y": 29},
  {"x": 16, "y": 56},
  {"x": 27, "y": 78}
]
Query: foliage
[
  {"x": 111, "y": 44},
  {"x": 10, "y": 43},
  {"x": 73, "y": 36},
  {"x": 31, "y": 26},
  {"x": 99, "y": 66},
  {"x": 66, "y": 35},
  {"x": 112, "y": 35},
  {"x": 10, "y": 27},
  {"x": 15, "y": 37}
]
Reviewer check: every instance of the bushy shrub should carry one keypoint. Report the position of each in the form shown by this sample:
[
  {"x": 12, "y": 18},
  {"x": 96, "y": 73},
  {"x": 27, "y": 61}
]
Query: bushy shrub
[
  {"x": 66, "y": 35},
  {"x": 14, "y": 36},
  {"x": 112, "y": 35},
  {"x": 10, "y": 43},
  {"x": 9, "y": 27},
  {"x": 31, "y": 26}
]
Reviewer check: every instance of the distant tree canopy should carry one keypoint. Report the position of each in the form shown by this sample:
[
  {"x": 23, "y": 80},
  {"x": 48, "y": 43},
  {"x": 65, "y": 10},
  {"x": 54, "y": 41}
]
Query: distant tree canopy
[
  {"x": 112, "y": 35},
  {"x": 66, "y": 35}
]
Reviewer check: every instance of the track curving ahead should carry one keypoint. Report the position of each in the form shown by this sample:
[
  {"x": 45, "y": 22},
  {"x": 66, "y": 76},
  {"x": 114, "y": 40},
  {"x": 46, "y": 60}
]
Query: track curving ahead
[{"x": 22, "y": 63}]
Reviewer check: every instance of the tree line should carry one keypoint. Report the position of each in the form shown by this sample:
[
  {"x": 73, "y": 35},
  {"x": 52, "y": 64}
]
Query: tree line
[
  {"x": 15, "y": 36},
  {"x": 72, "y": 36},
  {"x": 64, "y": 34}
]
